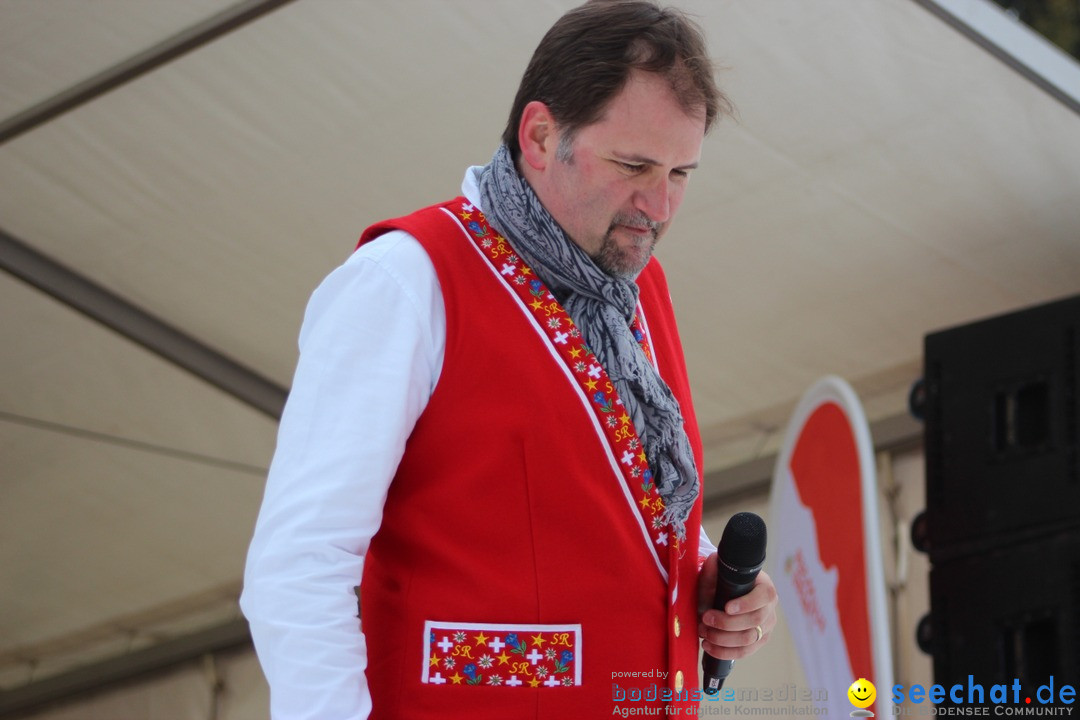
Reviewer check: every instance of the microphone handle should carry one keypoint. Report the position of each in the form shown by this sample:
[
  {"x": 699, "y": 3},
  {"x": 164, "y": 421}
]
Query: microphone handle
[{"x": 714, "y": 670}]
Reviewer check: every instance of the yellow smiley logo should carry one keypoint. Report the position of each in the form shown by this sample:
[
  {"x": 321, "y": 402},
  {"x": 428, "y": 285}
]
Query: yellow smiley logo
[{"x": 862, "y": 693}]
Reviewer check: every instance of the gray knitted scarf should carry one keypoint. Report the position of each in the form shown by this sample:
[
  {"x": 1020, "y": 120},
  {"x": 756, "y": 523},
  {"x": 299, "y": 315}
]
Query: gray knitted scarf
[{"x": 603, "y": 307}]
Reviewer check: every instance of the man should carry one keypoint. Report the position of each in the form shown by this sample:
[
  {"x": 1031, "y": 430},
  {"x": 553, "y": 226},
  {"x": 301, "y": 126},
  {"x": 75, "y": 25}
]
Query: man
[{"x": 491, "y": 424}]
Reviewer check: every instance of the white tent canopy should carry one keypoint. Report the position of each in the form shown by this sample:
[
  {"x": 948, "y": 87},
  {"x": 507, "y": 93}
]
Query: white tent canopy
[{"x": 895, "y": 167}]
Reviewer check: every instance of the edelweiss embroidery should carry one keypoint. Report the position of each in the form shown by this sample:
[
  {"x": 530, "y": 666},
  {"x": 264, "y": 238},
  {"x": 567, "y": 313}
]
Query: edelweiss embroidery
[
  {"x": 502, "y": 655},
  {"x": 591, "y": 377}
]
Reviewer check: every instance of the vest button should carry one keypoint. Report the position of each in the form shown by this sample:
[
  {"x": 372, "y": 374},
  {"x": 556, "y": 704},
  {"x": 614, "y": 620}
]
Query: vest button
[
  {"x": 678, "y": 681},
  {"x": 677, "y": 628}
]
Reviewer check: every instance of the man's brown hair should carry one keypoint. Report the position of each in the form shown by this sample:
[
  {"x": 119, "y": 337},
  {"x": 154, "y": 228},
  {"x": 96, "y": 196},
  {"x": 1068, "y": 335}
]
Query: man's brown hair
[{"x": 584, "y": 60}]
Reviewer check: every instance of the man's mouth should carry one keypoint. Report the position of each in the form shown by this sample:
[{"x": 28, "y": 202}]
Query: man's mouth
[
  {"x": 642, "y": 232},
  {"x": 637, "y": 230},
  {"x": 640, "y": 225}
]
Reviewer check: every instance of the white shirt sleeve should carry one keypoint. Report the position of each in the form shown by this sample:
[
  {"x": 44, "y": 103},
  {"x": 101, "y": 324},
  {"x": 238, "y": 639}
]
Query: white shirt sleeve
[
  {"x": 705, "y": 546},
  {"x": 371, "y": 349}
]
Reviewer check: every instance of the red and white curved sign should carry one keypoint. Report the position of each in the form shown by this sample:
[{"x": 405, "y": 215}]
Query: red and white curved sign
[{"x": 825, "y": 547}]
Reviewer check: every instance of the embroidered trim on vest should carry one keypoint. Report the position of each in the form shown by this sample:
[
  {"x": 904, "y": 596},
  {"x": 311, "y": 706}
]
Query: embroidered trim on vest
[
  {"x": 591, "y": 380},
  {"x": 501, "y": 655}
]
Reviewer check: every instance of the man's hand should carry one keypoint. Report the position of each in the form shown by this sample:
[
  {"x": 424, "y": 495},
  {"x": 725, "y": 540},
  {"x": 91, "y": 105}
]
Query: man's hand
[{"x": 734, "y": 633}]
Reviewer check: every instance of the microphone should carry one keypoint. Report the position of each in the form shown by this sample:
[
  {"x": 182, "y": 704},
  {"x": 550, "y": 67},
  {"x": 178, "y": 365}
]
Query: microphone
[{"x": 738, "y": 560}]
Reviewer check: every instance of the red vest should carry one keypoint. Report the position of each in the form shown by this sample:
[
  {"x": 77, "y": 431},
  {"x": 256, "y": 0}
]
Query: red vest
[{"x": 514, "y": 574}]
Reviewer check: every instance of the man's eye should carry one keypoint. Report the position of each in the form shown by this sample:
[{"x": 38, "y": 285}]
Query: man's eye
[{"x": 631, "y": 167}]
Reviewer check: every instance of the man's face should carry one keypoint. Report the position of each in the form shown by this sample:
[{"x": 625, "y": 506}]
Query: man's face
[{"x": 624, "y": 181}]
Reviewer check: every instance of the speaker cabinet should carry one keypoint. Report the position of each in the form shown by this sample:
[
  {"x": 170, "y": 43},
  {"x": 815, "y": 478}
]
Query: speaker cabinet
[
  {"x": 1002, "y": 440},
  {"x": 1000, "y": 404}
]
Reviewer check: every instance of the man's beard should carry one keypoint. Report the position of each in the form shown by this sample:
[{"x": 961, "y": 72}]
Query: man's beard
[{"x": 614, "y": 260}]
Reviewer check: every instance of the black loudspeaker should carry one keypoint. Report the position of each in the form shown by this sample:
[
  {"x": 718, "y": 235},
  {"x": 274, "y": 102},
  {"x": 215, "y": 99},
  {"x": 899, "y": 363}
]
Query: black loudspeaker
[
  {"x": 1008, "y": 616},
  {"x": 1002, "y": 441},
  {"x": 1000, "y": 404}
]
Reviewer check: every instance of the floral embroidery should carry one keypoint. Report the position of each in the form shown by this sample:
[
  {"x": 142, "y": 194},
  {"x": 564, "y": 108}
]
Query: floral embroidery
[
  {"x": 502, "y": 655},
  {"x": 566, "y": 337}
]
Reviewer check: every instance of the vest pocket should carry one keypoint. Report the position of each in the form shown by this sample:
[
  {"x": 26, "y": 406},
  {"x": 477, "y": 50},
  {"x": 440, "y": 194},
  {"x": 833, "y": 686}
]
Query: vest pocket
[{"x": 501, "y": 655}]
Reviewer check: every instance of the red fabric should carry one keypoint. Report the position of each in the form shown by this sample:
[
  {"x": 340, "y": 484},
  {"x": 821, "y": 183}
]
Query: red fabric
[{"x": 505, "y": 510}]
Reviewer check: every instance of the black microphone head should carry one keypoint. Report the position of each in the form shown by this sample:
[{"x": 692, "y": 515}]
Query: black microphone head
[{"x": 742, "y": 546}]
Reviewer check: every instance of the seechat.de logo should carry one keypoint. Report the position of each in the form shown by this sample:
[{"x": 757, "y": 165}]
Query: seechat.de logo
[{"x": 999, "y": 699}]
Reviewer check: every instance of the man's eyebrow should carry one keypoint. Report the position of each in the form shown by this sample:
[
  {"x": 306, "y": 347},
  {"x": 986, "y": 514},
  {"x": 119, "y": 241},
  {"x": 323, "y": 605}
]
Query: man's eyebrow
[{"x": 643, "y": 160}]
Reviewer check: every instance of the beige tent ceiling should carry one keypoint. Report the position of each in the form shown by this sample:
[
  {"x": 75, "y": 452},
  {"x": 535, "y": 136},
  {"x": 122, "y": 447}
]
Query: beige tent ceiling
[{"x": 891, "y": 172}]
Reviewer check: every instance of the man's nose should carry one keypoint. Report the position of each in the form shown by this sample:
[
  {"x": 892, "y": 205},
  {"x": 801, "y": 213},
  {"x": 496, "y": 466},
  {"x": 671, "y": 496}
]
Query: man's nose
[{"x": 654, "y": 199}]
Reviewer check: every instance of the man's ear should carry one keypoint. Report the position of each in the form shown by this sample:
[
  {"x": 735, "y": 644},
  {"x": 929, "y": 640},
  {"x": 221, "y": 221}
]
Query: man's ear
[{"x": 537, "y": 136}]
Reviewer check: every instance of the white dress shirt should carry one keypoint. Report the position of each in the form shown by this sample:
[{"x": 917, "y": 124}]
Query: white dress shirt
[{"x": 371, "y": 350}]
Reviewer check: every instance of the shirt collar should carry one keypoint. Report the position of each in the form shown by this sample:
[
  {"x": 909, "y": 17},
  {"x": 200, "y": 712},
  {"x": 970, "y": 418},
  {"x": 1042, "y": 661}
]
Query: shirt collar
[{"x": 470, "y": 186}]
